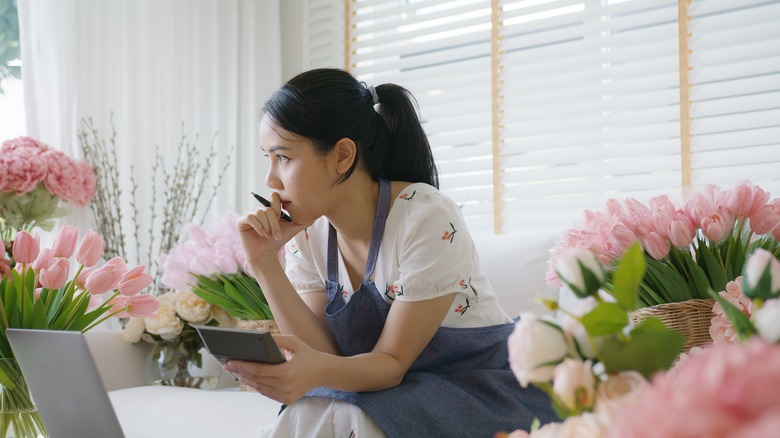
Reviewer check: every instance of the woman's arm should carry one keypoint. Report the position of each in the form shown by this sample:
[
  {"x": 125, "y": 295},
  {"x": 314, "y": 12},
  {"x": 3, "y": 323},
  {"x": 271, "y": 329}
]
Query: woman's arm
[
  {"x": 294, "y": 314},
  {"x": 407, "y": 331}
]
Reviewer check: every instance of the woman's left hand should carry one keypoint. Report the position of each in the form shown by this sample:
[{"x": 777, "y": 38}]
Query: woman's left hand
[{"x": 285, "y": 382}]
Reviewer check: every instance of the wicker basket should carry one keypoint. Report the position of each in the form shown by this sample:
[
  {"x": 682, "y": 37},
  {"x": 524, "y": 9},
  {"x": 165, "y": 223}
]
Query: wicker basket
[
  {"x": 692, "y": 318},
  {"x": 261, "y": 325}
]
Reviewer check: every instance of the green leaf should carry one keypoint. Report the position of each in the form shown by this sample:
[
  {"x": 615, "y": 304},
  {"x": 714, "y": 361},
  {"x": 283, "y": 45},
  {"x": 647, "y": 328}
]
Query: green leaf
[
  {"x": 697, "y": 279},
  {"x": 652, "y": 347},
  {"x": 235, "y": 294},
  {"x": 627, "y": 277},
  {"x": 669, "y": 283},
  {"x": 742, "y": 325},
  {"x": 605, "y": 319},
  {"x": 38, "y": 320},
  {"x": 713, "y": 268}
]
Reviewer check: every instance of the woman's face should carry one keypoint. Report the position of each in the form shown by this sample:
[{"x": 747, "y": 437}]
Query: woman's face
[{"x": 298, "y": 173}]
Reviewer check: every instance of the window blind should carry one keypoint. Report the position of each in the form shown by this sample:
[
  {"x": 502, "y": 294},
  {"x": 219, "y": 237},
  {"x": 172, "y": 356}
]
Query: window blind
[
  {"x": 589, "y": 97},
  {"x": 324, "y": 41},
  {"x": 440, "y": 51},
  {"x": 590, "y": 106},
  {"x": 735, "y": 92}
]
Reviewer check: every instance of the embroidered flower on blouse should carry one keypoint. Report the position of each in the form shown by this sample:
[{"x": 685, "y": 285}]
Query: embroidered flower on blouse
[
  {"x": 461, "y": 308},
  {"x": 464, "y": 284},
  {"x": 293, "y": 248},
  {"x": 407, "y": 196},
  {"x": 449, "y": 235}
]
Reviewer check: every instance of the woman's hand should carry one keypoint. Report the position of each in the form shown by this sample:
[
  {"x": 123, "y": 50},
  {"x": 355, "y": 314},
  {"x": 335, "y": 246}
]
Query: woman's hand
[
  {"x": 285, "y": 382},
  {"x": 262, "y": 233}
]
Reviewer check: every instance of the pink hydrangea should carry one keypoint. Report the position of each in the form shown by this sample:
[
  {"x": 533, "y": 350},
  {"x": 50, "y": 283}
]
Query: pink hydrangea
[
  {"x": 26, "y": 162},
  {"x": 721, "y": 330},
  {"x": 722, "y": 392}
]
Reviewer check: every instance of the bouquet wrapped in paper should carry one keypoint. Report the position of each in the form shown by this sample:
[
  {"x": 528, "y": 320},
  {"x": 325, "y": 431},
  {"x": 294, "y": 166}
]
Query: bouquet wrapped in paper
[{"x": 211, "y": 264}]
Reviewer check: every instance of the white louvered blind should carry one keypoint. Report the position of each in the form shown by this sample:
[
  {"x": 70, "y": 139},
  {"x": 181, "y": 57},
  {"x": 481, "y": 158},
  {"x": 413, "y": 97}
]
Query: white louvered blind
[
  {"x": 324, "y": 33},
  {"x": 735, "y": 92},
  {"x": 589, "y": 97},
  {"x": 440, "y": 51}
]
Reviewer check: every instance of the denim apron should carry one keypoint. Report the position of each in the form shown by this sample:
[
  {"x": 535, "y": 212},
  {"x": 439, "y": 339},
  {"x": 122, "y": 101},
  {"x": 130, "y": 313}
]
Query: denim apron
[{"x": 459, "y": 386}]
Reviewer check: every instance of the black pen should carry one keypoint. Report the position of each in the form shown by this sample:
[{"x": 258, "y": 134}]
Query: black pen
[{"x": 285, "y": 217}]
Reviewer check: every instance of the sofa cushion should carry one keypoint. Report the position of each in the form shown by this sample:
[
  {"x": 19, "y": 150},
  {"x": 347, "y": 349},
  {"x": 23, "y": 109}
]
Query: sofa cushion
[{"x": 516, "y": 265}]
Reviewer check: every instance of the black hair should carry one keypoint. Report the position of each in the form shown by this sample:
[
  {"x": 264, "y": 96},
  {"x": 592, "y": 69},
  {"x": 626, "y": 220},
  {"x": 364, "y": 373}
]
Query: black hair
[{"x": 326, "y": 105}]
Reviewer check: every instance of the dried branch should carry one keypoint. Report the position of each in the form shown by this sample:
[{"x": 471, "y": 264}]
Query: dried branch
[{"x": 183, "y": 189}]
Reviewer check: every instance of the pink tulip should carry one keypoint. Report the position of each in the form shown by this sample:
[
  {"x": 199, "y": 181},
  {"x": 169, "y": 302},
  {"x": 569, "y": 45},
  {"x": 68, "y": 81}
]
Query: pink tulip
[
  {"x": 715, "y": 226},
  {"x": 26, "y": 247},
  {"x": 81, "y": 280},
  {"x": 43, "y": 261},
  {"x": 656, "y": 246},
  {"x": 94, "y": 302},
  {"x": 90, "y": 250},
  {"x": 142, "y": 306},
  {"x": 134, "y": 281},
  {"x": 56, "y": 275},
  {"x": 119, "y": 304},
  {"x": 681, "y": 233},
  {"x": 765, "y": 219},
  {"x": 106, "y": 277},
  {"x": 65, "y": 242}
]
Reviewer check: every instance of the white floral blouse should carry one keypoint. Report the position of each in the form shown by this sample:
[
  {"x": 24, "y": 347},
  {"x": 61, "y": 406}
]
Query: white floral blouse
[{"x": 426, "y": 252}]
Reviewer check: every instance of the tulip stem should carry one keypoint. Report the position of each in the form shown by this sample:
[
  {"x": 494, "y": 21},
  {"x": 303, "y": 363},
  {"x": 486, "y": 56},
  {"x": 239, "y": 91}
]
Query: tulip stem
[{"x": 110, "y": 314}]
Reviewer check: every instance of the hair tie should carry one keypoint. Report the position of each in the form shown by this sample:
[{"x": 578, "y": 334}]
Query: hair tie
[{"x": 374, "y": 96}]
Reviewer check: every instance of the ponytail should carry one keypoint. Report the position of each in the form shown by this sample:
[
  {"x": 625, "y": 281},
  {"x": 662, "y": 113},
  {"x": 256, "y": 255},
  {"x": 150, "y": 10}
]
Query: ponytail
[{"x": 326, "y": 105}]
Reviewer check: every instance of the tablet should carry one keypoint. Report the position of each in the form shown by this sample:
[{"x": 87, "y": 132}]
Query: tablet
[{"x": 230, "y": 343}]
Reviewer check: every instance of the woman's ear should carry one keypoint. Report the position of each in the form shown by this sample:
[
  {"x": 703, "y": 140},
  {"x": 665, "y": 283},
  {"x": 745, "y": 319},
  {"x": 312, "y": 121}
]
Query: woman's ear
[{"x": 345, "y": 150}]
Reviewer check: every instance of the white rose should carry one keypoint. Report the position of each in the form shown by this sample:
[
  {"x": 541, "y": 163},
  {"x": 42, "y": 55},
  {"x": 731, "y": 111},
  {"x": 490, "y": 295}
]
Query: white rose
[
  {"x": 581, "y": 426},
  {"x": 191, "y": 307},
  {"x": 166, "y": 324},
  {"x": 767, "y": 320},
  {"x": 760, "y": 264},
  {"x": 549, "y": 430},
  {"x": 619, "y": 389},
  {"x": 575, "y": 384},
  {"x": 574, "y": 329},
  {"x": 223, "y": 318},
  {"x": 134, "y": 330},
  {"x": 580, "y": 270},
  {"x": 536, "y": 346}
]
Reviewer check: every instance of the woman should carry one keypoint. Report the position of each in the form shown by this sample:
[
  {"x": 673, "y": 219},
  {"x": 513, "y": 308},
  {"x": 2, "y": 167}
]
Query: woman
[{"x": 391, "y": 325}]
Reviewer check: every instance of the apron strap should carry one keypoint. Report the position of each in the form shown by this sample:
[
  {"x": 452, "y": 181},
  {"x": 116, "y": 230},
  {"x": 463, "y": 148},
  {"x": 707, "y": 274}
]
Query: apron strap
[{"x": 382, "y": 210}]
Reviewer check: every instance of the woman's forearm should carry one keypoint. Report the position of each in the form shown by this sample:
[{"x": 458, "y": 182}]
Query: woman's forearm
[{"x": 291, "y": 313}]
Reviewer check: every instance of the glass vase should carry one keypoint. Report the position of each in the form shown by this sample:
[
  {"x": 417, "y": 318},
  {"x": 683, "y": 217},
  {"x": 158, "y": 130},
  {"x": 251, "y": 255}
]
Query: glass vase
[
  {"x": 180, "y": 367},
  {"x": 19, "y": 418}
]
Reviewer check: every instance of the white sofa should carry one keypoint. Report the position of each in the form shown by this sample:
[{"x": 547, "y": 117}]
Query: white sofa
[{"x": 515, "y": 264}]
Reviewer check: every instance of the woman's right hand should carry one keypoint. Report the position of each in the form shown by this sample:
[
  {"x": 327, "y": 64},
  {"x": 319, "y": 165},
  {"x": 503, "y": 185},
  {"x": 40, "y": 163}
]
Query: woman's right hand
[{"x": 261, "y": 232}]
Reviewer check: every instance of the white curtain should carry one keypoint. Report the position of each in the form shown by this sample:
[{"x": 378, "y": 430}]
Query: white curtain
[{"x": 165, "y": 69}]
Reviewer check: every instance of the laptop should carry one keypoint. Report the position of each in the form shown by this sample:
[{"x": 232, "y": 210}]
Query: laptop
[{"x": 65, "y": 383}]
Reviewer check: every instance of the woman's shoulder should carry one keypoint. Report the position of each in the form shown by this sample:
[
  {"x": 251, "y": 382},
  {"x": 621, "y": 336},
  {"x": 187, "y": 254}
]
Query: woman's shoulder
[{"x": 421, "y": 200}]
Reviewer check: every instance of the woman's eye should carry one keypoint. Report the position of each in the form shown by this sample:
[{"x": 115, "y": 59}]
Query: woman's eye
[{"x": 282, "y": 159}]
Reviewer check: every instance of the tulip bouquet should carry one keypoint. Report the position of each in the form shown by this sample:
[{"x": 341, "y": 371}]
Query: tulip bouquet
[
  {"x": 38, "y": 294},
  {"x": 211, "y": 264},
  {"x": 33, "y": 180},
  {"x": 688, "y": 249},
  {"x": 594, "y": 360}
]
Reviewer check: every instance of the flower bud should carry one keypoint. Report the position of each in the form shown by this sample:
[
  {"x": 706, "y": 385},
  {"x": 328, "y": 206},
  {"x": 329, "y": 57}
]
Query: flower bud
[
  {"x": 767, "y": 320},
  {"x": 65, "y": 242},
  {"x": 762, "y": 275},
  {"x": 106, "y": 277},
  {"x": 56, "y": 275},
  {"x": 536, "y": 346},
  {"x": 134, "y": 281},
  {"x": 26, "y": 247},
  {"x": 43, "y": 261},
  {"x": 90, "y": 250},
  {"x": 575, "y": 384},
  {"x": 581, "y": 271}
]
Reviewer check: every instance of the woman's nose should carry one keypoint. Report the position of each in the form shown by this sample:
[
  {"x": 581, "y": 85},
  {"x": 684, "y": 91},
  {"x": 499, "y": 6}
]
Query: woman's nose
[{"x": 271, "y": 180}]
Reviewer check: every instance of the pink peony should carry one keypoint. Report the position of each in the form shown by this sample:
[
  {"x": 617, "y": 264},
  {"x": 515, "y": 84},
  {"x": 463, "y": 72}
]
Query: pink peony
[
  {"x": 721, "y": 330},
  {"x": 726, "y": 391}
]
